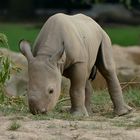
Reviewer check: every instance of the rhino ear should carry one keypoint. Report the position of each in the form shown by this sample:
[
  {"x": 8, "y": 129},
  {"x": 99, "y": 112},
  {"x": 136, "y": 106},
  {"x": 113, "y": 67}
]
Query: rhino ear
[
  {"x": 59, "y": 57},
  {"x": 25, "y": 49}
]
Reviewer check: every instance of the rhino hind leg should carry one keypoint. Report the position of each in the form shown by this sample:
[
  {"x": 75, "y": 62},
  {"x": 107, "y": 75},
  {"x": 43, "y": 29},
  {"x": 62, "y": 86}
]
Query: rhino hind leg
[
  {"x": 106, "y": 66},
  {"x": 88, "y": 93},
  {"x": 77, "y": 89}
]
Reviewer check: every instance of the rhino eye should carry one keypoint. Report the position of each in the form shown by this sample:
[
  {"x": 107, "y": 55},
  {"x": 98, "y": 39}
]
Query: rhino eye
[{"x": 51, "y": 91}]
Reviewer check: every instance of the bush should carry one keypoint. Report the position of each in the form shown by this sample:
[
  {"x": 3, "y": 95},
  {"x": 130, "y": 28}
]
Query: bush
[
  {"x": 4, "y": 66},
  {"x": 8, "y": 104}
]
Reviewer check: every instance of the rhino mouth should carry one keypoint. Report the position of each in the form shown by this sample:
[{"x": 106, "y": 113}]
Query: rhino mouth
[{"x": 34, "y": 110}]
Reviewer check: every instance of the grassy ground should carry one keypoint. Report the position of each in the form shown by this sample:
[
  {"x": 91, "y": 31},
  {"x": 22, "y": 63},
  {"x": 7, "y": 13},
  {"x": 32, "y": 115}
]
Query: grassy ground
[
  {"x": 101, "y": 104},
  {"x": 123, "y": 35},
  {"x": 17, "y": 123}
]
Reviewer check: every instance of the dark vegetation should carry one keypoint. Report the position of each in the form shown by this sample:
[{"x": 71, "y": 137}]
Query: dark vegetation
[{"x": 28, "y": 9}]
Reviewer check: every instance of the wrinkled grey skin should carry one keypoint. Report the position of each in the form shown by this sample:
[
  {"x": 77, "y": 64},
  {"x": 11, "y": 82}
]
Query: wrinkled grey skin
[{"x": 70, "y": 46}]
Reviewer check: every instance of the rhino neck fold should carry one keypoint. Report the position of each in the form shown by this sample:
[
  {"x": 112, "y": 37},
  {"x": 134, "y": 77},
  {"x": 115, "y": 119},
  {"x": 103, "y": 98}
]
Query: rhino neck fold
[{"x": 54, "y": 66}]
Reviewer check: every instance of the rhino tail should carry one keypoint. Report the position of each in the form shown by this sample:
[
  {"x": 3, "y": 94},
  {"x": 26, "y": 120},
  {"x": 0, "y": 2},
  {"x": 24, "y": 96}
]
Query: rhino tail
[
  {"x": 93, "y": 73},
  {"x": 105, "y": 54}
]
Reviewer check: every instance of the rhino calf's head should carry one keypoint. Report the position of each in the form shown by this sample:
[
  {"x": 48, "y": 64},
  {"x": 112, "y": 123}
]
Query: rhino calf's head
[{"x": 44, "y": 79}]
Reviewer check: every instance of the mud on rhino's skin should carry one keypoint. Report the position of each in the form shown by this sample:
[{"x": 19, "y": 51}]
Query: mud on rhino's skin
[{"x": 70, "y": 46}]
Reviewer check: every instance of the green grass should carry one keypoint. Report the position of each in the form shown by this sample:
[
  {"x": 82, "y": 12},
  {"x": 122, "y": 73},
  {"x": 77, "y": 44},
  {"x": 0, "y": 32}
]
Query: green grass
[
  {"x": 14, "y": 105},
  {"x": 132, "y": 97},
  {"x": 101, "y": 104},
  {"x": 16, "y": 32},
  {"x": 123, "y": 35}
]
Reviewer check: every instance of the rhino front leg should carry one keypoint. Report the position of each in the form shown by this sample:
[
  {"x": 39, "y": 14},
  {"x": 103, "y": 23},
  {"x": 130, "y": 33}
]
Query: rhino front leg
[
  {"x": 77, "y": 77},
  {"x": 88, "y": 93}
]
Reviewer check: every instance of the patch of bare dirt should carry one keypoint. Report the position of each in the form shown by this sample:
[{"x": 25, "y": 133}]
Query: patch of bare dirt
[{"x": 94, "y": 128}]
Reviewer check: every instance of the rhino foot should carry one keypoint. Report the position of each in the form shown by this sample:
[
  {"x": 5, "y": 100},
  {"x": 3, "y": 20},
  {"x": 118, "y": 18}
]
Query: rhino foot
[
  {"x": 123, "y": 110},
  {"x": 79, "y": 112},
  {"x": 90, "y": 111}
]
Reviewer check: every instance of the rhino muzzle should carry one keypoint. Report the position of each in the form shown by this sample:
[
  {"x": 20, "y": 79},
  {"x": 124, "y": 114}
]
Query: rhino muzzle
[{"x": 35, "y": 109}]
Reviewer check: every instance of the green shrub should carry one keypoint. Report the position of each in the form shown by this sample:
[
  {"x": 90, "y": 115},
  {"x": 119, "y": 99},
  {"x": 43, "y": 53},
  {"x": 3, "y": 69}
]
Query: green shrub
[
  {"x": 8, "y": 104},
  {"x": 5, "y": 65}
]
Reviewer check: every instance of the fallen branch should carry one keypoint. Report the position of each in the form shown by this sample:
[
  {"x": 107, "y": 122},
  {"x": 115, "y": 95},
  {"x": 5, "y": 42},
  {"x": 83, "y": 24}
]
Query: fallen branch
[
  {"x": 126, "y": 84},
  {"x": 63, "y": 100}
]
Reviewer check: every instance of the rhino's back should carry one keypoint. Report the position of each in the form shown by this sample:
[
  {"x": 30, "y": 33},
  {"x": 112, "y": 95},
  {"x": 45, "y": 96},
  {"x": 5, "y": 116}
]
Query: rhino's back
[{"x": 80, "y": 35}]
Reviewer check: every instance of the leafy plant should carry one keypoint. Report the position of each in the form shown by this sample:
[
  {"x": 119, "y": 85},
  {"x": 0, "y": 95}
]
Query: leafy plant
[
  {"x": 3, "y": 40},
  {"x": 8, "y": 104},
  {"x": 5, "y": 65}
]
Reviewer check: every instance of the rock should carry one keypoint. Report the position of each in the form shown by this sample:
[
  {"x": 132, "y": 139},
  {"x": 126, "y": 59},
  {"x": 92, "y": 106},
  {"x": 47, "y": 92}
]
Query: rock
[
  {"x": 128, "y": 68},
  {"x": 127, "y": 61}
]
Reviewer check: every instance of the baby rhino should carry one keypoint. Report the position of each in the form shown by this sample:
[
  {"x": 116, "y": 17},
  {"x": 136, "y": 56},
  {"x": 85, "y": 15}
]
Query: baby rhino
[{"x": 71, "y": 46}]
